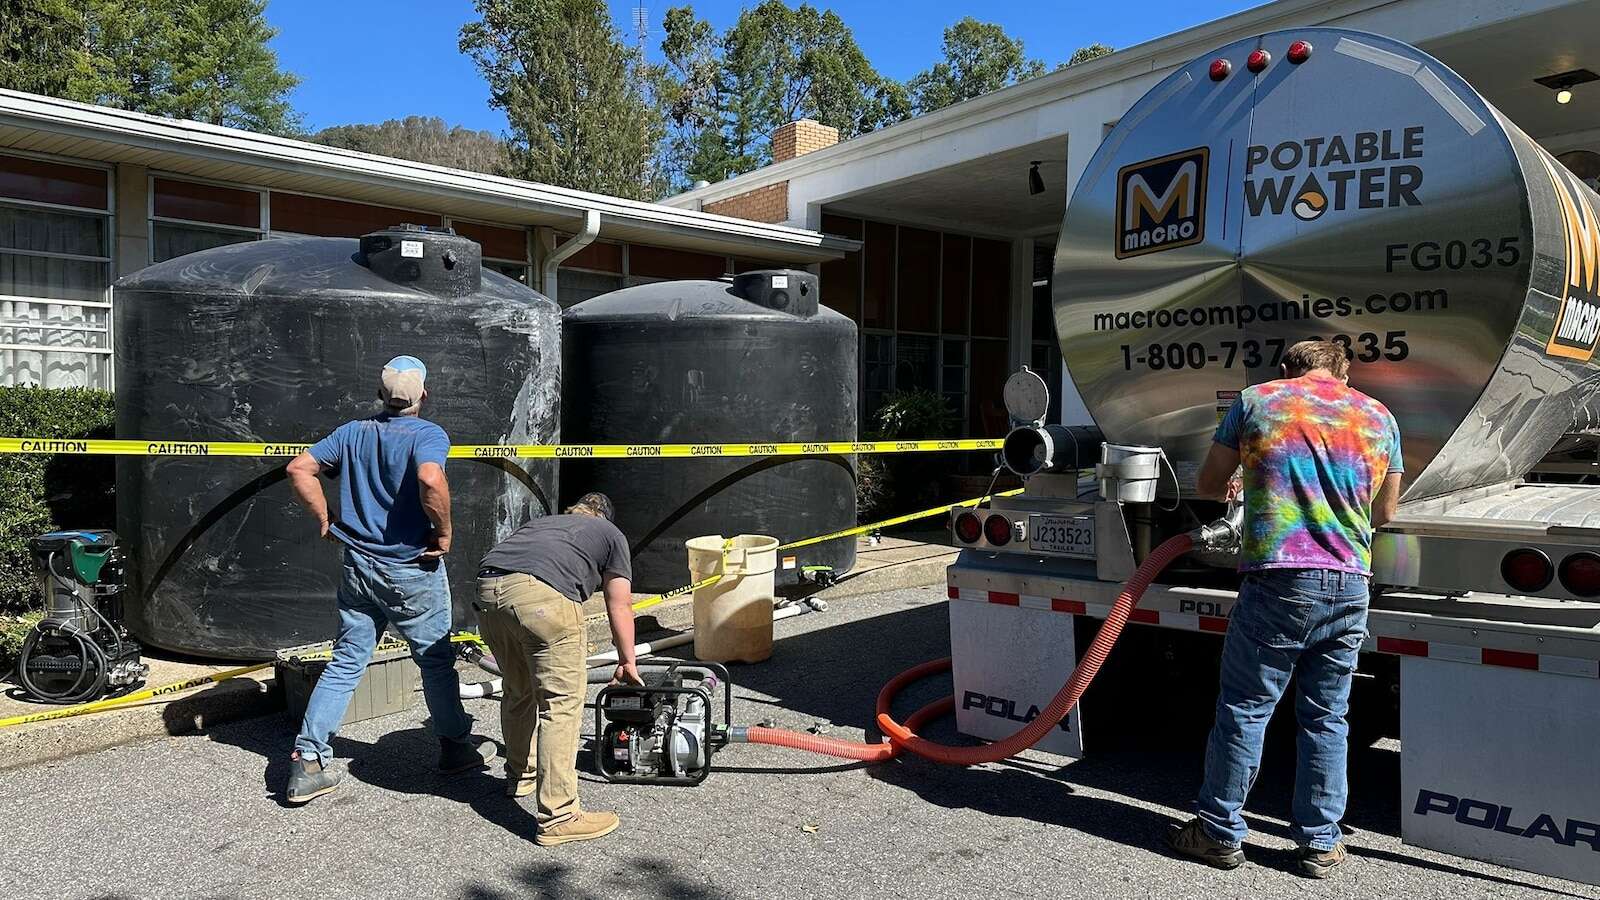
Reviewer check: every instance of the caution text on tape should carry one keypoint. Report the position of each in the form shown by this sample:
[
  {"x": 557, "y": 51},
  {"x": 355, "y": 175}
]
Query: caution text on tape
[{"x": 99, "y": 447}]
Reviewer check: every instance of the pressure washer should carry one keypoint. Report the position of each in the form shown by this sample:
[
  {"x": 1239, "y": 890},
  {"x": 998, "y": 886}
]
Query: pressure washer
[{"x": 81, "y": 650}]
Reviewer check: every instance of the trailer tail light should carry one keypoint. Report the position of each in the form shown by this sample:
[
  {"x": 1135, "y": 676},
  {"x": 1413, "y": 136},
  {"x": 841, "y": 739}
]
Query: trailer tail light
[
  {"x": 1526, "y": 570},
  {"x": 1298, "y": 52},
  {"x": 1258, "y": 59},
  {"x": 968, "y": 528},
  {"x": 997, "y": 529},
  {"x": 1580, "y": 574},
  {"x": 1220, "y": 69}
]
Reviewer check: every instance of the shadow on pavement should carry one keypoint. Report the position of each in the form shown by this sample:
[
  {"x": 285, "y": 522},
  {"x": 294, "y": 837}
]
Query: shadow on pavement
[{"x": 637, "y": 876}]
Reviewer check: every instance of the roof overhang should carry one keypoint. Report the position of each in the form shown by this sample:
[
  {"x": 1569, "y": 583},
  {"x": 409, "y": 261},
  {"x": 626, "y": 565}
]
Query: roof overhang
[{"x": 47, "y": 125}]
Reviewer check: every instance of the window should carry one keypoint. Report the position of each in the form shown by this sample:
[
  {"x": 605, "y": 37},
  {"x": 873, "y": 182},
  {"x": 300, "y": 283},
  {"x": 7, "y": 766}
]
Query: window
[
  {"x": 953, "y": 375},
  {"x": 917, "y": 281},
  {"x": 841, "y": 278},
  {"x": 916, "y": 362},
  {"x": 326, "y": 217},
  {"x": 877, "y": 373},
  {"x": 189, "y": 216},
  {"x": 55, "y": 269}
]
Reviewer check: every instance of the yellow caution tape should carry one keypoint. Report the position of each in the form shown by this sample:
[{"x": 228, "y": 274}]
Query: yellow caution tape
[
  {"x": 465, "y": 637},
  {"x": 496, "y": 451}
]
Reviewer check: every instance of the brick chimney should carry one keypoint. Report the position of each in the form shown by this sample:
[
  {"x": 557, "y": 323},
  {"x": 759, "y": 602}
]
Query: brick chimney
[{"x": 801, "y": 137}]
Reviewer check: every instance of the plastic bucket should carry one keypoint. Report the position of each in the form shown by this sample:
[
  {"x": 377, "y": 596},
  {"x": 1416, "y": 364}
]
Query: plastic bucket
[{"x": 733, "y": 617}]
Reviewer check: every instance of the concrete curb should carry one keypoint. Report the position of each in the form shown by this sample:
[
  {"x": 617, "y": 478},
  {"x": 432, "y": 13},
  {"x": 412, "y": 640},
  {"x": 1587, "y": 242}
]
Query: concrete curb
[{"x": 258, "y": 694}]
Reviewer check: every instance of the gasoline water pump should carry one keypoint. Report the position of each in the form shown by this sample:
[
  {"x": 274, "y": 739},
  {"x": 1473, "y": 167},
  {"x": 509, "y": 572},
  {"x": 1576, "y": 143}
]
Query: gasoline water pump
[
  {"x": 664, "y": 731},
  {"x": 80, "y": 651}
]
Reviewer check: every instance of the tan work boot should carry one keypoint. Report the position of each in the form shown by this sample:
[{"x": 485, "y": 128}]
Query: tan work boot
[
  {"x": 1192, "y": 841},
  {"x": 584, "y": 826},
  {"x": 1314, "y": 863},
  {"x": 520, "y": 786}
]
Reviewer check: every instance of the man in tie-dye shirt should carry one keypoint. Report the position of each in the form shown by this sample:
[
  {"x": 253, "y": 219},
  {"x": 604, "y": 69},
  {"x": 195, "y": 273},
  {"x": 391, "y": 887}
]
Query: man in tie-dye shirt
[{"x": 1322, "y": 469}]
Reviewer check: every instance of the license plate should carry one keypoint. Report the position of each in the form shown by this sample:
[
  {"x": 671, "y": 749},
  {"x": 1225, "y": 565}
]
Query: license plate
[{"x": 1067, "y": 535}]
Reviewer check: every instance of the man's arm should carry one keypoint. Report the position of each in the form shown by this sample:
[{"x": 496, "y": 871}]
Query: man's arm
[
  {"x": 303, "y": 471},
  {"x": 434, "y": 491},
  {"x": 1388, "y": 499},
  {"x": 619, "y": 610},
  {"x": 1215, "y": 473}
]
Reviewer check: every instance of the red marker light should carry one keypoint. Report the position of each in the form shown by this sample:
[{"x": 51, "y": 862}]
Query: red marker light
[
  {"x": 1580, "y": 574},
  {"x": 968, "y": 528},
  {"x": 998, "y": 530},
  {"x": 1526, "y": 570},
  {"x": 1299, "y": 52},
  {"x": 1258, "y": 60},
  {"x": 1220, "y": 69}
]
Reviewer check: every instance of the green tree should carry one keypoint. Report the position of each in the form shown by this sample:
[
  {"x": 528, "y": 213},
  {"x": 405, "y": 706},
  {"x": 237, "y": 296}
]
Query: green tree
[
  {"x": 687, "y": 90},
  {"x": 206, "y": 60},
  {"x": 572, "y": 92},
  {"x": 41, "y": 45},
  {"x": 1084, "y": 54},
  {"x": 979, "y": 58},
  {"x": 425, "y": 139}
]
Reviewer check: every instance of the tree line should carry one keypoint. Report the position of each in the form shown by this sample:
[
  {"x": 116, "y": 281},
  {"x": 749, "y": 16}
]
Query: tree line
[{"x": 586, "y": 109}]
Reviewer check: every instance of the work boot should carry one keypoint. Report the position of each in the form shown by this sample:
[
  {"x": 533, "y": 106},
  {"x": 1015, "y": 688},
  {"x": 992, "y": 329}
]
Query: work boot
[
  {"x": 456, "y": 757},
  {"x": 585, "y": 826},
  {"x": 1314, "y": 863},
  {"x": 1192, "y": 841},
  {"x": 309, "y": 779}
]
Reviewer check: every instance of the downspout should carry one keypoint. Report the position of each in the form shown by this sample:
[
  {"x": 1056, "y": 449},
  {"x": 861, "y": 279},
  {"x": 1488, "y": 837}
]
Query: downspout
[{"x": 585, "y": 237}]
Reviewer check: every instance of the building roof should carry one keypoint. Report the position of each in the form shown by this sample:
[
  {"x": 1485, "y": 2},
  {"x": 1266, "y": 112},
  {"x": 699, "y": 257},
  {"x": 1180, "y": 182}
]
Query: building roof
[{"x": 48, "y": 125}]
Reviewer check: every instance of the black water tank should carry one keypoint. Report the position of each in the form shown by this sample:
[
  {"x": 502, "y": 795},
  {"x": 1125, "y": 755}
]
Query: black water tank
[
  {"x": 282, "y": 341},
  {"x": 754, "y": 359}
]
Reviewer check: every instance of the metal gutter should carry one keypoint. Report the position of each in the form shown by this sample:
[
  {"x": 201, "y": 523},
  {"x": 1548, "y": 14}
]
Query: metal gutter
[{"x": 552, "y": 264}]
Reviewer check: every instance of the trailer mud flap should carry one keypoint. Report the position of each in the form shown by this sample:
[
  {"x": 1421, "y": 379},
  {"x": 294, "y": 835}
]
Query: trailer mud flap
[{"x": 1007, "y": 661}]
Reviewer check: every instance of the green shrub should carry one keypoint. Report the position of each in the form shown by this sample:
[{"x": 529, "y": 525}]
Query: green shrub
[
  {"x": 13, "y": 631},
  {"x": 914, "y": 415},
  {"x": 42, "y": 492},
  {"x": 913, "y": 479}
]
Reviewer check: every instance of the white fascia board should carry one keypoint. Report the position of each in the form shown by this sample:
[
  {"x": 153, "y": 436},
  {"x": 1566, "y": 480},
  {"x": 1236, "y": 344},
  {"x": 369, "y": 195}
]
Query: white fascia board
[{"x": 198, "y": 139}]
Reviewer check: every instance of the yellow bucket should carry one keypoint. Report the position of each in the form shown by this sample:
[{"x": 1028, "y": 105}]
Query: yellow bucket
[{"x": 733, "y": 616}]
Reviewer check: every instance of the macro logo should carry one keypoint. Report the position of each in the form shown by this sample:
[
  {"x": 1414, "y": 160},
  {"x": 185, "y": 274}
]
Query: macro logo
[
  {"x": 1161, "y": 203},
  {"x": 1577, "y": 326}
]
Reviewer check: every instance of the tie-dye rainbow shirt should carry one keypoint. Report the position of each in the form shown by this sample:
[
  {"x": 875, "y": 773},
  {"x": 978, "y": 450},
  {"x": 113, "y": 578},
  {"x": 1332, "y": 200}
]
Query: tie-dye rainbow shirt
[{"x": 1315, "y": 452}]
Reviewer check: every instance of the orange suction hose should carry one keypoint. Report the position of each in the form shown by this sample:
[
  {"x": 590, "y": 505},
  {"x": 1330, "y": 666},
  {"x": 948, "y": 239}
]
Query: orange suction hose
[{"x": 904, "y": 737}]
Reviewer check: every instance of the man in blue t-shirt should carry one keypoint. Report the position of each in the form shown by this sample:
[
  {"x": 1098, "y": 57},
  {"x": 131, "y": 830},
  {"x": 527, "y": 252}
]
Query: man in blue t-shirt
[{"x": 394, "y": 523}]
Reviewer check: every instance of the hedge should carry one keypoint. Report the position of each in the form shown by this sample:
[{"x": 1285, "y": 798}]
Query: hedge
[{"x": 39, "y": 493}]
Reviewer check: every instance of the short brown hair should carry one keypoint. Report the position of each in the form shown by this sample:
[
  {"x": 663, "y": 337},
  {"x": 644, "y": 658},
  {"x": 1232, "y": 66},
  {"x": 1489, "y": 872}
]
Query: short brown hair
[{"x": 1308, "y": 355}]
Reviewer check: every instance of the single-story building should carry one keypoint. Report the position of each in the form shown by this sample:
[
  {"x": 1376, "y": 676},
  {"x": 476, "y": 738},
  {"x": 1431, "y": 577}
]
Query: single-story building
[
  {"x": 952, "y": 284},
  {"x": 930, "y": 233},
  {"x": 88, "y": 194}
]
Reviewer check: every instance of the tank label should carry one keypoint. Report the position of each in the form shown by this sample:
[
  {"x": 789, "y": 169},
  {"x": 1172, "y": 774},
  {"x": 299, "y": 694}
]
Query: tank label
[
  {"x": 1577, "y": 324},
  {"x": 411, "y": 249},
  {"x": 1309, "y": 177},
  {"x": 1161, "y": 203}
]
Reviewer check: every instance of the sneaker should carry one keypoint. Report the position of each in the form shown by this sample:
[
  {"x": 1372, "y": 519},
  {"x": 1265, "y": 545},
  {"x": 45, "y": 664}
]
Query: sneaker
[
  {"x": 584, "y": 826},
  {"x": 309, "y": 779},
  {"x": 1314, "y": 863},
  {"x": 456, "y": 757},
  {"x": 520, "y": 786},
  {"x": 1192, "y": 841}
]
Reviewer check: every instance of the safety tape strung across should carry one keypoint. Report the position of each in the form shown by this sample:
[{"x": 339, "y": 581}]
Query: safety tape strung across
[
  {"x": 166, "y": 690},
  {"x": 77, "y": 447}
]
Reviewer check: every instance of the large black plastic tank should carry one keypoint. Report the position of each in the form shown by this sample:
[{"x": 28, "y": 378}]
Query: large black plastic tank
[
  {"x": 751, "y": 359},
  {"x": 282, "y": 341}
]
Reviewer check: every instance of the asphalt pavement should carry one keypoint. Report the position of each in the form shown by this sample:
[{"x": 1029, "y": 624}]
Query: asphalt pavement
[{"x": 201, "y": 815}]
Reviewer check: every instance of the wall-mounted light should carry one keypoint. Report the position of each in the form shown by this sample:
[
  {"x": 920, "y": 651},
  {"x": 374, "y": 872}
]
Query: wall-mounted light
[
  {"x": 1563, "y": 83},
  {"x": 1035, "y": 180}
]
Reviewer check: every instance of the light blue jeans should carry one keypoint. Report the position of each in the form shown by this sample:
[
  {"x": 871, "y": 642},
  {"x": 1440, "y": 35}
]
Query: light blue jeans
[
  {"x": 1305, "y": 624},
  {"x": 412, "y": 600}
]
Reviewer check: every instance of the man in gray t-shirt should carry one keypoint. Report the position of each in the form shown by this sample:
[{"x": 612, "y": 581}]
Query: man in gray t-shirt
[{"x": 531, "y": 589}]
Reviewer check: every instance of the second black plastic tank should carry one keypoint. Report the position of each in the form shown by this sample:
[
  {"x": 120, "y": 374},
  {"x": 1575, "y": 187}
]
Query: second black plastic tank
[
  {"x": 282, "y": 341},
  {"x": 751, "y": 359}
]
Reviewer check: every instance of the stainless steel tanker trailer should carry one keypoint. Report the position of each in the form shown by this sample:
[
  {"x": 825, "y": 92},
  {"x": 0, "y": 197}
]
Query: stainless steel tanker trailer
[{"x": 1333, "y": 184}]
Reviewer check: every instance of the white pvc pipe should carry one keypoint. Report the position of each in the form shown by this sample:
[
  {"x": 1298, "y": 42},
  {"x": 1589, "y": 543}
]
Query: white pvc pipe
[{"x": 481, "y": 689}]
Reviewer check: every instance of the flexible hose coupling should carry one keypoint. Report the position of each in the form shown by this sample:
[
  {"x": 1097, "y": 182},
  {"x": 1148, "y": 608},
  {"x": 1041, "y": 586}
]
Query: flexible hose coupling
[{"x": 1225, "y": 535}]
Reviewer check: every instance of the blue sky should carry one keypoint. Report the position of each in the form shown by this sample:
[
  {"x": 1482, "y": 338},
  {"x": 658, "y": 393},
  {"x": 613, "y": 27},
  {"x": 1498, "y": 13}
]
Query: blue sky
[{"x": 366, "y": 62}]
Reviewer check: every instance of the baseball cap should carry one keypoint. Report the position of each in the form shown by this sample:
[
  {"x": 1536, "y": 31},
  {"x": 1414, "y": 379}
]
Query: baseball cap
[{"x": 402, "y": 383}]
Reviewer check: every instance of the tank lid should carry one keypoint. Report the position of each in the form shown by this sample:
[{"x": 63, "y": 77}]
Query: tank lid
[
  {"x": 785, "y": 290},
  {"x": 436, "y": 260}
]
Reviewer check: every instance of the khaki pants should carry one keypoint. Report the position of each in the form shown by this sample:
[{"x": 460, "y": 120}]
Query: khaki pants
[{"x": 538, "y": 638}]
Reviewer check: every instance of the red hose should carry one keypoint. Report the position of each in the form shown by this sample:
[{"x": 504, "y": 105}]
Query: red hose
[{"x": 904, "y": 737}]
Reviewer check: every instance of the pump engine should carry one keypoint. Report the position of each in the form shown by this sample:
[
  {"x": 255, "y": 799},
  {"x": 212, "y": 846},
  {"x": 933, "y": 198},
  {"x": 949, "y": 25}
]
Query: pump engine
[
  {"x": 664, "y": 731},
  {"x": 80, "y": 651}
]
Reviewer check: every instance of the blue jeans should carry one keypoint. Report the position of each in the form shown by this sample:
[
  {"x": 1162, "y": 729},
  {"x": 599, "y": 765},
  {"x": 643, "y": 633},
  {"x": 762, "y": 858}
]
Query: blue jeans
[
  {"x": 1307, "y": 624},
  {"x": 411, "y": 600}
]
